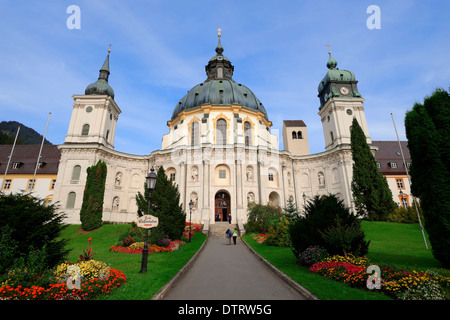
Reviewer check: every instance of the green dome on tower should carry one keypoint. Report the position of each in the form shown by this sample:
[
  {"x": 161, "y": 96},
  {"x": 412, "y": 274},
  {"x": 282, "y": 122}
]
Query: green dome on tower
[
  {"x": 219, "y": 88},
  {"x": 337, "y": 83},
  {"x": 101, "y": 86}
]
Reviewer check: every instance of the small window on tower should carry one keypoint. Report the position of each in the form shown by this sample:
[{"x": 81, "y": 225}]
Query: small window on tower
[
  {"x": 85, "y": 130},
  {"x": 294, "y": 135}
]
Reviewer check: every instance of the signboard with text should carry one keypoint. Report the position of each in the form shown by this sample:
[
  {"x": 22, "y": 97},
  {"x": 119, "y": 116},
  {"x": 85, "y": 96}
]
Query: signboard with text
[{"x": 147, "y": 221}]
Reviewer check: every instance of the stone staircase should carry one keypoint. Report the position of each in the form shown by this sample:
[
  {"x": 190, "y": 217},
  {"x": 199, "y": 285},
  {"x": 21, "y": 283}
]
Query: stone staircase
[{"x": 218, "y": 229}]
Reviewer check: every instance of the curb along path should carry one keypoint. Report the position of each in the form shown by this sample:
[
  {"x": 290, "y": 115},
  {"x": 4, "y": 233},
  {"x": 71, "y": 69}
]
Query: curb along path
[{"x": 219, "y": 271}]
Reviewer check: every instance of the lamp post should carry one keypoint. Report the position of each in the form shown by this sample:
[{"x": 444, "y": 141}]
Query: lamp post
[
  {"x": 151, "y": 182},
  {"x": 191, "y": 205},
  {"x": 304, "y": 198}
]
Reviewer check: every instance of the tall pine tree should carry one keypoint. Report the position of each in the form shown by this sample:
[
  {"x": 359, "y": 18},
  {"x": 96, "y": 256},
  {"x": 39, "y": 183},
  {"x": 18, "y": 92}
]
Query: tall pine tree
[
  {"x": 427, "y": 129},
  {"x": 371, "y": 193},
  {"x": 94, "y": 191},
  {"x": 165, "y": 204}
]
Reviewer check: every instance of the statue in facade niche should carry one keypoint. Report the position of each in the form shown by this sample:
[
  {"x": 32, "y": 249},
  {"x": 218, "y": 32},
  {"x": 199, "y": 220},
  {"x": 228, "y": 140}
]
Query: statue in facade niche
[
  {"x": 249, "y": 174},
  {"x": 321, "y": 179},
  {"x": 118, "y": 178}
]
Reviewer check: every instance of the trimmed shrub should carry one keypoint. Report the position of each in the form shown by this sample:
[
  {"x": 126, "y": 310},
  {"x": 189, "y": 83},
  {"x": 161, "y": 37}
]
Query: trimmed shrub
[
  {"x": 278, "y": 235},
  {"x": 261, "y": 217},
  {"x": 94, "y": 191},
  {"x": 312, "y": 255},
  {"x": 320, "y": 214}
]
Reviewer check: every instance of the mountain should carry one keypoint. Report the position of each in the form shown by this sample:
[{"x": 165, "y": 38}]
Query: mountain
[{"x": 8, "y": 130}]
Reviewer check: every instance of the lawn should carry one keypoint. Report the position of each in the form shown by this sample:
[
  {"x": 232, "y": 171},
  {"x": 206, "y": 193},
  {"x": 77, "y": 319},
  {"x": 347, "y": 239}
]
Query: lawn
[
  {"x": 391, "y": 243},
  {"x": 398, "y": 243},
  {"x": 161, "y": 266}
]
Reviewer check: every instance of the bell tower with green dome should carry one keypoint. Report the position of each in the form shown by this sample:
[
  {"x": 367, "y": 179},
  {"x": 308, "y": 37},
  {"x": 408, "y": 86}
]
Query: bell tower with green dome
[
  {"x": 340, "y": 102},
  {"x": 95, "y": 114}
]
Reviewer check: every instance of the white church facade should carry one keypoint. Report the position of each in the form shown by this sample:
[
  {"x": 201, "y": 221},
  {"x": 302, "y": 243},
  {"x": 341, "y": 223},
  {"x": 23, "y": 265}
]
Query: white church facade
[{"x": 219, "y": 149}]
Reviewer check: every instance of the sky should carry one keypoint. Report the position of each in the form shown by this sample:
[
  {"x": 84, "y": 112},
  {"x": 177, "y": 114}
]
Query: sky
[{"x": 159, "y": 50}]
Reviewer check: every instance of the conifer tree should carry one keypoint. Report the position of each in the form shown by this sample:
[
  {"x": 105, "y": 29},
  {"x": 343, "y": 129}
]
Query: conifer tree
[
  {"x": 290, "y": 211},
  {"x": 427, "y": 129},
  {"x": 94, "y": 191},
  {"x": 165, "y": 204},
  {"x": 371, "y": 194}
]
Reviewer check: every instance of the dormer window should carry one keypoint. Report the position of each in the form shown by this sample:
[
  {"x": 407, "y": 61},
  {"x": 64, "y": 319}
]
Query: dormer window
[
  {"x": 40, "y": 165},
  {"x": 16, "y": 165},
  {"x": 393, "y": 164}
]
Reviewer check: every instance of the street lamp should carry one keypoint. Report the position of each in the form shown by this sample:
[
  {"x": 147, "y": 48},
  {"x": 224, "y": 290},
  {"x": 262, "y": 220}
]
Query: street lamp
[
  {"x": 191, "y": 205},
  {"x": 304, "y": 198},
  {"x": 151, "y": 182}
]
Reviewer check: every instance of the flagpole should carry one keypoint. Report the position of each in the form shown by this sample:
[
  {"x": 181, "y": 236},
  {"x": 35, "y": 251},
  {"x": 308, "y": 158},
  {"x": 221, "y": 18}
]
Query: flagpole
[
  {"x": 10, "y": 156},
  {"x": 40, "y": 151},
  {"x": 409, "y": 179}
]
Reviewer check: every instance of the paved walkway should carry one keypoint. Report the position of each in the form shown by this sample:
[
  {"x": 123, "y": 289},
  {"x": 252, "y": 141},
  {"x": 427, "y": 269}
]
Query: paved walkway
[{"x": 223, "y": 271}]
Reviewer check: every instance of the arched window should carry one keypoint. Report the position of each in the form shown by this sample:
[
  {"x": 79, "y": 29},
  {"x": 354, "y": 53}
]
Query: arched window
[
  {"x": 294, "y": 135},
  {"x": 247, "y": 133},
  {"x": 332, "y": 136},
  {"x": 194, "y": 133},
  {"x": 85, "y": 130},
  {"x": 221, "y": 131},
  {"x": 299, "y": 135},
  {"x": 76, "y": 173},
  {"x": 71, "y": 197}
]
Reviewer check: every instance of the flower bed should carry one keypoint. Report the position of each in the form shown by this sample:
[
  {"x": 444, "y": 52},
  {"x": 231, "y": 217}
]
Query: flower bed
[
  {"x": 137, "y": 247},
  {"x": 395, "y": 282},
  {"x": 89, "y": 289},
  {"x": 260, "y": 238}
]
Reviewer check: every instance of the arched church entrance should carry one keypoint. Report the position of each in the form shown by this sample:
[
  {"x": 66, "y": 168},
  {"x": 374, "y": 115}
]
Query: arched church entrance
[{"x": 222, "y": 206}]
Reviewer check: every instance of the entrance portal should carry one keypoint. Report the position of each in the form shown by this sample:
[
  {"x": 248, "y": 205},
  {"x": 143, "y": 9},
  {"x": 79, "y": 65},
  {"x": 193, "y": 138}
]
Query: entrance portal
[{"x": 222, "y": 206}]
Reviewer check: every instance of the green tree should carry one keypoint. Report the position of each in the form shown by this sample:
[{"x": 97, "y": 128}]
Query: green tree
[
  {"x": 31, "y": 225},
  {"x": 165, "y": 204},
  {"x": 427, "y": 129},
  {"x": 371, "y": 193},
  {"x": 94, "y": 191},
  {"x": 291, "y": 211},
  {"x": 320, "y": 214},
  {"x": 261, "y": 217}
]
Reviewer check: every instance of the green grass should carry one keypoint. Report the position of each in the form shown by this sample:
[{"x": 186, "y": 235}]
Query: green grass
[
  {"x": 398, "y": 243},
  {"x": 160, "y": 269},
  {"x": 321, "y": 287},
  {"x": 391, "y": 243}
]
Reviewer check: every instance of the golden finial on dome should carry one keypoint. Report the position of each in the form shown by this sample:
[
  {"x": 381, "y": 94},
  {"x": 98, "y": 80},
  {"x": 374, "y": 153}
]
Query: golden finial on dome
[
  {"x": 329, "y": 52},
  {"x": 219, "y": 34},
  {"x": 109, "y": 50}
]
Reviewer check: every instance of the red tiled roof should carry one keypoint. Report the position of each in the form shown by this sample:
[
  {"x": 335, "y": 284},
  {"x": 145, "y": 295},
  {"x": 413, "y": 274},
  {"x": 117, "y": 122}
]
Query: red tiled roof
[
  {"x": 388, "y": 152},
  {"x": 27, "y": 156}
]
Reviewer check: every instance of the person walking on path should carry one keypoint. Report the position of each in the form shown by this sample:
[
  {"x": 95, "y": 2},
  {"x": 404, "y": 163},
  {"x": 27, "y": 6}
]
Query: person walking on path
[
  {"x": 228, "y": 233},
  {"x": 235, "y": 234}
]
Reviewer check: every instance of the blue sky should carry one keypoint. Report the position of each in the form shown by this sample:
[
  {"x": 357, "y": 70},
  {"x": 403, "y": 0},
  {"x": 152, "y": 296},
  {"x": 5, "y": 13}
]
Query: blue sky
[{"x": 160, "y": 48}]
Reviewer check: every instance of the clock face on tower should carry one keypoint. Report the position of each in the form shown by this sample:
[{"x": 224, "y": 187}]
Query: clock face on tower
[{"x": 344, "y": 90}]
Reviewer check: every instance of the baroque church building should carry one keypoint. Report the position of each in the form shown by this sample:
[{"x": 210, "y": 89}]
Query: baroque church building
[{"x": 219, "y": 150}]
